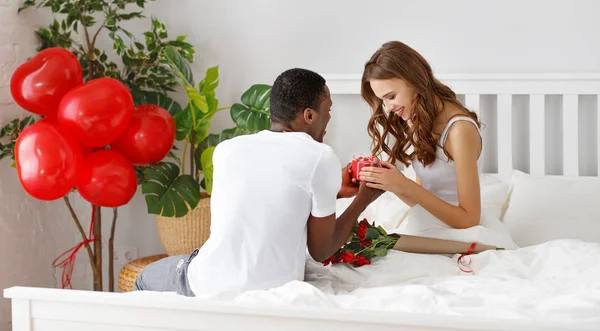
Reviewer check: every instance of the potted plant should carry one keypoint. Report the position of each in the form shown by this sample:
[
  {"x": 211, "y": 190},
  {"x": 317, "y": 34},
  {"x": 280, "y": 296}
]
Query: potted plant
[
  {"x": 139, "y": 65},
  {"x": 179, "y": 192}
]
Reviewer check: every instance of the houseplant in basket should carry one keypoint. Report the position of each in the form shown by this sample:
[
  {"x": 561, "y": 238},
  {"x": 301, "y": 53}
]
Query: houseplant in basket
[
  {"x": 136, "y": 61},
  {"x": 179, "y": 192}
]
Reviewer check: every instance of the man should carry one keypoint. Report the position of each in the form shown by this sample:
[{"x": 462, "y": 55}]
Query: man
[{"x": 274, "y": 194}]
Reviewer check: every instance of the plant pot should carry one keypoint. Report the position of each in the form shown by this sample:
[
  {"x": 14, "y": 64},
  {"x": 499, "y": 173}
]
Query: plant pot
[{"x": 182, "y": 235}]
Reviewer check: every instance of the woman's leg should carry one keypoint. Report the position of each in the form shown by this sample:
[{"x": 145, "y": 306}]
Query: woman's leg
[{"x": 416, "y": 244}]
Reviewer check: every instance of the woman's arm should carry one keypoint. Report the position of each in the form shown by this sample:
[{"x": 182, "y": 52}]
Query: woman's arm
[
  {"x": 464, "y": 144},
  {"x": 407, "y": 199}
]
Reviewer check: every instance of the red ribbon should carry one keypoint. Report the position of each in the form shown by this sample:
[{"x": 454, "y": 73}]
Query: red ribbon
[
  {"x": 468, "y": 259},
  {"x": 69, "y": 262}
]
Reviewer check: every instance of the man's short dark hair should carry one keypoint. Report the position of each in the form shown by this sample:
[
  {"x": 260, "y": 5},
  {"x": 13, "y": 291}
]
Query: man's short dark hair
[{"x": 294, "y": 90}]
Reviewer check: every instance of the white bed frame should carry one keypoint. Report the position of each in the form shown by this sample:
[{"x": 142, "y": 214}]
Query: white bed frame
[{"x": 37, "y": 309}]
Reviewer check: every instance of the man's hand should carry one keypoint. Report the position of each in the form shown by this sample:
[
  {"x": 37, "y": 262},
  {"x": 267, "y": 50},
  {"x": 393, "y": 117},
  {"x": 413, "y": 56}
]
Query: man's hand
[
  {"x": 349, "y": 187},
  {"x": 368, "y": 194}
]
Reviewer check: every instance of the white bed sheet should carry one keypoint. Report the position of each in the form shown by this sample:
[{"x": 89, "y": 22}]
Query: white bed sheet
[{"x": 555, "y": 281}]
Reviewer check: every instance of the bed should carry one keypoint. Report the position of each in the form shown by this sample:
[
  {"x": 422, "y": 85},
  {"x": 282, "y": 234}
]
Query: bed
[{"x": 552, "y": 282}]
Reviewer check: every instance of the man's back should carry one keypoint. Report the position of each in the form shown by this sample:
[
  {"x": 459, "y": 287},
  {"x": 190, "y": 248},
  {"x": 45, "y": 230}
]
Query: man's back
[{"x": 265, "y": 187}]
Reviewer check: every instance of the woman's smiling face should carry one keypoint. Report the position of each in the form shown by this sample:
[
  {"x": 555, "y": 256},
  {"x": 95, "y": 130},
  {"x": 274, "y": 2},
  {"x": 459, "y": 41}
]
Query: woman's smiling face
[{"x": 397, "y": 96}]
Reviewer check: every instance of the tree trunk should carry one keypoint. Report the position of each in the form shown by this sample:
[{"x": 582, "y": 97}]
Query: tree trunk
[
  {"x": 111, "y": 253},
  {"x": 98, "y": 247}
]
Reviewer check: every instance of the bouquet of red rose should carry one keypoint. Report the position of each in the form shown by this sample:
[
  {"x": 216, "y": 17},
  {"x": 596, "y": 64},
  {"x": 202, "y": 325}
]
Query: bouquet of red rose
[{"x": 365, "y": 243}]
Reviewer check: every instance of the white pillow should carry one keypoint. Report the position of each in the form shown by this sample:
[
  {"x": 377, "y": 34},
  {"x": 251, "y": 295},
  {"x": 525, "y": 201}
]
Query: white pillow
[
  {"x": 544, "y": 208},
  {"x": 494, "y": 196}
]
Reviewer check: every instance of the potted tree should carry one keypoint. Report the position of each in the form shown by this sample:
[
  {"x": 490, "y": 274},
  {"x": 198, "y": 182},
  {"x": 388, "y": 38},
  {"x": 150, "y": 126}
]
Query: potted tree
[
  {"x": 179, "y": 192},
  {"x": 136, "y": 62}
]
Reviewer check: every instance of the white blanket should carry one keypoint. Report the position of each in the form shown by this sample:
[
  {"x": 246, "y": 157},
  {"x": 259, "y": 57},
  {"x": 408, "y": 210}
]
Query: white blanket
[{"x": 555, "y": 281}]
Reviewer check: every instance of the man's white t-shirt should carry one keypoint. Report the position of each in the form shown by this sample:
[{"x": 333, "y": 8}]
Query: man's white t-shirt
[{"x": 265, "y": 186}]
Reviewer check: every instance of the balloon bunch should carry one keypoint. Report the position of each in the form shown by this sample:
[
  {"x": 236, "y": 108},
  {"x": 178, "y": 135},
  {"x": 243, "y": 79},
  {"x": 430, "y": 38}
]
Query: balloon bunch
[{"x": 91, "y": 134}]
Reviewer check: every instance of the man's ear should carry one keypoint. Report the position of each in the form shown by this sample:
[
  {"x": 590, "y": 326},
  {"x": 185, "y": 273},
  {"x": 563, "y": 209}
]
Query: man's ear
[{"x": 309, "y": 115}]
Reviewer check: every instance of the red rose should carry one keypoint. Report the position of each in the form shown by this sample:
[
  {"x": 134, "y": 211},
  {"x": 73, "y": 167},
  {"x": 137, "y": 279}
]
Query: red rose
[
  {"x": 359, "y": 260},
  {"x": 336, "y": 259},
  {"x": 361, "y": 233},
  {"x": 348, "y": 257}
]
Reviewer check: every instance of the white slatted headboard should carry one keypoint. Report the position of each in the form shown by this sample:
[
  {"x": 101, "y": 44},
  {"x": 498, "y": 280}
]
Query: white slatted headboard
[{"x": 504, "y": 89}]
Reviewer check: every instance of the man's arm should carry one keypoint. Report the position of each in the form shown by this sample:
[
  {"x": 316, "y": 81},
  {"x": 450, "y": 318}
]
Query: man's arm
[{"x": 327, "y": 234}]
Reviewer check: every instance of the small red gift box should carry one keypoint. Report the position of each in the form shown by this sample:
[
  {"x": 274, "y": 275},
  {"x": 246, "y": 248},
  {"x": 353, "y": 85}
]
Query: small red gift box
[{"x": 360, "y": 162}]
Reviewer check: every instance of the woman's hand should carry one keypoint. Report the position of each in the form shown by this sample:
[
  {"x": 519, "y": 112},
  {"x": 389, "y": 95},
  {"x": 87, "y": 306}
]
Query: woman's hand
[{"x": 387, "y": 178}]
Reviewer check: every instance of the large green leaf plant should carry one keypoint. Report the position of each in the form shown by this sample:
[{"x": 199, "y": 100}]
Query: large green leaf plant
[
  {"x": 136, "y": 60},
  {"x": 172, "y": 189}
]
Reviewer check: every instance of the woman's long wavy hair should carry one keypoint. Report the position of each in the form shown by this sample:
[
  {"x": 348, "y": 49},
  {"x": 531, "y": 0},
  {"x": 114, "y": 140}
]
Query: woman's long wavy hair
[{"x": 397, "y": 60}]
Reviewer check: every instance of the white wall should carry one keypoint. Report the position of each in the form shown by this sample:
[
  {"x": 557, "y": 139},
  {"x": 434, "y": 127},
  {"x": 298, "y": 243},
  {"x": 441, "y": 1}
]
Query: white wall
[
  {"x": 27, "y": 228},
  {"x": 253, "y": 41}
]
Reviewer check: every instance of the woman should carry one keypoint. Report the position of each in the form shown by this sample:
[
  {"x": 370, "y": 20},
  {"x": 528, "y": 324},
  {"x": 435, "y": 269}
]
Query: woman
[{"x": 432, "y": 131}]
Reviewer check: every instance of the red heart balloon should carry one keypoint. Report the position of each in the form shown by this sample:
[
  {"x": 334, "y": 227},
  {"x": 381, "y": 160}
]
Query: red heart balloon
[
  {"x": 47, "y": 160},
  {"x": 97, "y": 112},
  {"x": 39, "y": 84},
  {"x": 149, "y": 136},
  {"x": 107, "y": 179}
]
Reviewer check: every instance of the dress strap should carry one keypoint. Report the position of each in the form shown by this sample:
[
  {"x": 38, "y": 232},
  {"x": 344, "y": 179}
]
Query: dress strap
[{"x": 453, "y": 120}]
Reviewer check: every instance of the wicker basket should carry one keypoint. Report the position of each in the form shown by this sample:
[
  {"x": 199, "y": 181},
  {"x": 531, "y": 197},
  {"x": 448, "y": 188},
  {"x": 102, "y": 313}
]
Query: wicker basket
[
  {"x": 182, "y": 235},
  {"x": 131, "y": 270}
]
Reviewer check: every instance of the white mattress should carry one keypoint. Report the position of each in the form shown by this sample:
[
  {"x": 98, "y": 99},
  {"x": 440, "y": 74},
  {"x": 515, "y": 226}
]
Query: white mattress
[{"x": 556, "y": 281}]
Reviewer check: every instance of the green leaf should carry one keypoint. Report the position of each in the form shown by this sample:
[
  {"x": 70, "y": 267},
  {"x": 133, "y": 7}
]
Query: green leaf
[
  {"x": 371, "y": 234},
  {"x": 179, "y": 64},
  {"x": 253, "y": 114},
  {"x": 167, "y": 193},
  {"x": 162, "y": 100},
  {"x": 210, "y": 81},
  {"x": 174, "y": 156},
  {"x": 203, "y": 128},
  {"x": 207, "y": 167},
  {"x": 10, "y": 132},
  {"x": 184, "y": 123},
  {"x": 196, "y": 98},
  {"x": 191, "y": 119},
  {"x": 381, "y": 230},
  {"x": 26, "y": 4},
  {"x": 139, "y": 174},
  {"x": 129, "y": 16},
  {"x": 208, "y": 86},
  {"x": 381, "y": 251}
]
